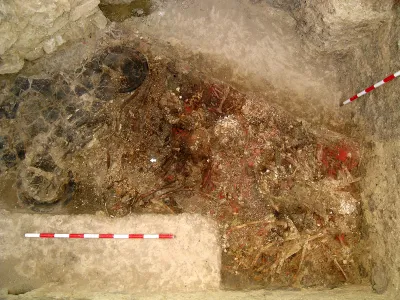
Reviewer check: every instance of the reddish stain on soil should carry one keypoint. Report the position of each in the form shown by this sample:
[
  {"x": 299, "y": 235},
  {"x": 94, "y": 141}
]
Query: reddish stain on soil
[{"x": 338, "y": 157}]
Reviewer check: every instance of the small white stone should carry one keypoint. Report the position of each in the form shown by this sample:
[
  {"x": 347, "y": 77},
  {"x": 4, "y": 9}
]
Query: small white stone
[
  {"x": 153, "y": 160},
  {"x": 49, "y": 46},
  {"x": 59, "y": 40},
  {"x": 36, "y": 53},
  {"x": 347, "y": 208},
  {"x": 86, "y": 9},
  {"x": 100, "y": 20}
]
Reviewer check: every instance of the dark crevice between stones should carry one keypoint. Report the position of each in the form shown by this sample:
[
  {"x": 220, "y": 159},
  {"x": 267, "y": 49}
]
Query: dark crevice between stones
[
  {"x": 105, "y": 90},
  {"x": 51, "y": 115},
  {"x": 62, "y": 90},
  {"x": 21, "y": 84},
  {"x": 80, "y": 90},
  {"x": 3, "y": 142},
  {"x": 44, "y": 162},
  {"x": 20, "y": 148},
  {"x": 39, "y": 126},
  {"x": 9, "y": 109},
  {"x": 42, "y": 85},
  {"x": 11, "y": 152},
  {"x": 9, "y": 158}
]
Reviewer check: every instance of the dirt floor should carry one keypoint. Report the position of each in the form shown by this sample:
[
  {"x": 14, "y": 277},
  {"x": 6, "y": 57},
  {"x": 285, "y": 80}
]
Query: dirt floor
[
  {"x": 189, "y": 262},
  {"x": 228, "y": 109},
  {"x": 348, "y": 293},
  {"x": 128, "y": 132}
]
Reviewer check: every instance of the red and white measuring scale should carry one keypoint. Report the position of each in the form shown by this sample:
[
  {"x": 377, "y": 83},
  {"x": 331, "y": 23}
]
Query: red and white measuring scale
[
  {"x": 372, "y": 87},
  {"x": 99, "y": 236}
]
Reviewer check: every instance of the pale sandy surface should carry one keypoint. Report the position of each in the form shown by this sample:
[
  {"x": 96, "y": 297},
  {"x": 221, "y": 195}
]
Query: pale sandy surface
[
  {"x": 347, "y": 293},
  {"x": 190, "y": 262}
]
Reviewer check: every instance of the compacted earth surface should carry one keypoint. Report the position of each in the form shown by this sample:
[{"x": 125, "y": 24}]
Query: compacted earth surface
[{"x": 132, "y": 133}]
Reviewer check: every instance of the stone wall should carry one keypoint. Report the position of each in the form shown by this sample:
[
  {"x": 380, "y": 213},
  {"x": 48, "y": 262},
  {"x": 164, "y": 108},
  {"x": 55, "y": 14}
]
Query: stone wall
[
  {"x": 336, "y": 25},
  {"x": 362, "y": 39},
  {"x": 29, "y": 29},
  {"x": 379, "y": 118}
]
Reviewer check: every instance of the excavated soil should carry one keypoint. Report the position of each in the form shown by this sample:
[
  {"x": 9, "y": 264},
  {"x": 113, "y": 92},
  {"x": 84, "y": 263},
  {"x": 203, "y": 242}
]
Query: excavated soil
[{"x": 125, "y": 134}]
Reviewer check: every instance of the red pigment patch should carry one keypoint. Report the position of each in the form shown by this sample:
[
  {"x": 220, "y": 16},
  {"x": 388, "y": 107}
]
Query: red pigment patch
[
  {"x": 169, "y": 178},
  {"x": 341, "y": 238},
  {"x": 338, "y": 157},
  {"x": 234, "y": 207},
  {"x": 188, "y": 108},
  {"x": 180, "y": 133},
  {"x": 342, "y": 155}
]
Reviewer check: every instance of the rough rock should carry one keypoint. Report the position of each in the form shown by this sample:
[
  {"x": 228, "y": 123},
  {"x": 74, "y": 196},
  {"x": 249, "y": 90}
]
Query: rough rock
[
  {"x": 30, "y": 29},
  {"x": 10, "y": 64},
  {"x": 333, "y": 25}
]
